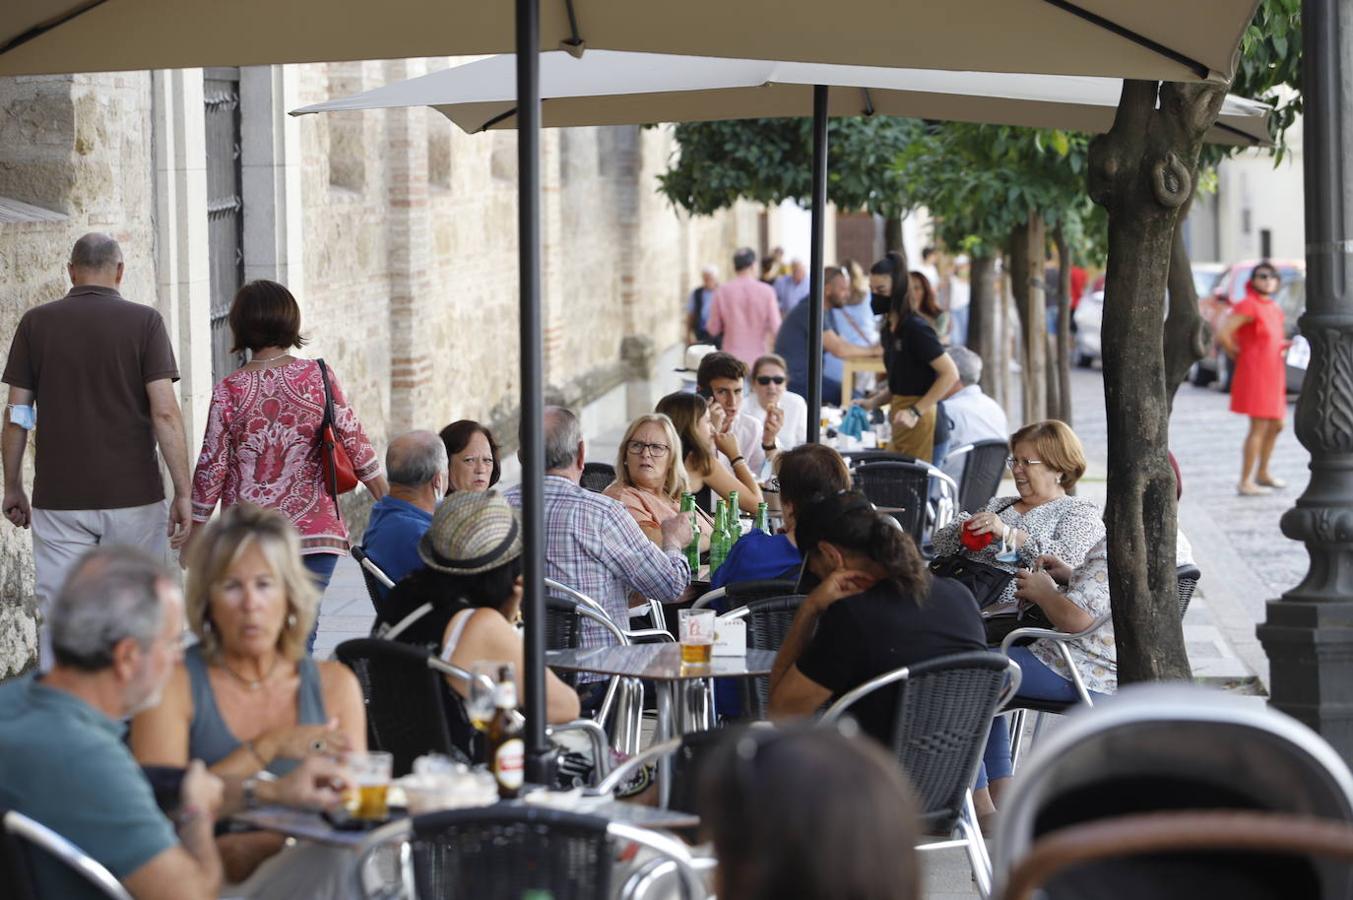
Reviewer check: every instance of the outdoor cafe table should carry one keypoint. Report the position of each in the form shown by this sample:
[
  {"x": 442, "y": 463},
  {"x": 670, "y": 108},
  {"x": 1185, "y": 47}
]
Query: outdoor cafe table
[
  {"x": 311, "y": 826},
  {"x": 681, "y": 687}
]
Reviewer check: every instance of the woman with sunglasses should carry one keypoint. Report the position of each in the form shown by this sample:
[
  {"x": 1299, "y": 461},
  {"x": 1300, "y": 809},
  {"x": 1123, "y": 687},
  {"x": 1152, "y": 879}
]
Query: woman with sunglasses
[
  {"x": 770, "y": 375},
  {"x": 650, "y": 476},
  {"x": 1254, "y": 336},
  {"x": 1046, "y": 459}
]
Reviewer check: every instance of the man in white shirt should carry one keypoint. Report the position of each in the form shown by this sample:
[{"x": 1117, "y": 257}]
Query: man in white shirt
[
  {"x": 975, "y": 416},
  {"x": 723, "y": 377}
]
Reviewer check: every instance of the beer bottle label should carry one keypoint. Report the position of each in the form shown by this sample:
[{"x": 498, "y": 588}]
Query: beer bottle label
[{"x": 509, "y": 763}]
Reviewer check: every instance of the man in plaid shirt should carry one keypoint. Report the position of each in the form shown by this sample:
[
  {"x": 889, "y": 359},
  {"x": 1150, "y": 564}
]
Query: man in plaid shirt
[{"x": 593, "y": 545}]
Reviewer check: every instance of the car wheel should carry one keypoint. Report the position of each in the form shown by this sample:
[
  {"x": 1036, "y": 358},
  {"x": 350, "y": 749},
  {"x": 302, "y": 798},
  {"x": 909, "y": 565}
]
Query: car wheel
[
  {"x": 1201, "y": 377},
  {"x": 1085, "y": 360}
]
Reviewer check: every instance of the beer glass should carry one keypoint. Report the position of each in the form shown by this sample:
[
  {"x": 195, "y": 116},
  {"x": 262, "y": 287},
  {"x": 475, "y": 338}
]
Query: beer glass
[
  {"x": 697, "y": 635},
  {"x": 369, "y": 774},
  {"x": 479, "y": 696}
]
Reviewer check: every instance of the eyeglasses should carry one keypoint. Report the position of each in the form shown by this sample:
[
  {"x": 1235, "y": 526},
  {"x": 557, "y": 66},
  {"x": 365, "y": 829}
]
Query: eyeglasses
[
  {"x": 638, "y": 448},
  {"x": 764, "y": 380},
  {"x": 1012, "y": 461}
]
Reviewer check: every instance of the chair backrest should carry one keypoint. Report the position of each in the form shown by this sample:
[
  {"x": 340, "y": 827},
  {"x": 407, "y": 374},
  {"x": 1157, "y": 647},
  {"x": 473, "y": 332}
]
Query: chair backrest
[
  {"x": 1177, "y": 748},
  {"x": 26, "y": 844},
  {"x": 1187, "y": 579},
  {"x": 740, "y": 593},
  {"x": 768, "y": 620},
  {"x": 944, "y": 711},
  {"x": 983, "y": 467},
  {"x": 902, "y": 488},
  {"x": 373, "y": 585},
  {"x": 406, "y": 700},
  {"x": 856, "y": 457},
  {"x": 508, "y": 851},
  {"x": 597, "y": 476}
]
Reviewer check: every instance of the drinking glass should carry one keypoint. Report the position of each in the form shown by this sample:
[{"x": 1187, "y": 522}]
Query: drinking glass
[
  {"x": 479, "y": 698},
  {"x": 697, "y": 635},
  {"x": 370, "y": 776}
]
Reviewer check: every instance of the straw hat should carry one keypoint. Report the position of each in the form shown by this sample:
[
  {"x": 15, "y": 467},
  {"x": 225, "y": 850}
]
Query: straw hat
[{"x": 470, "y": 533}]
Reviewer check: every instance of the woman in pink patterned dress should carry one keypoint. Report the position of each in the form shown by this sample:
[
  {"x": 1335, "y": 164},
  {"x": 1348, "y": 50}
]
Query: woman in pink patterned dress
[{"x": 262, "y": 444}]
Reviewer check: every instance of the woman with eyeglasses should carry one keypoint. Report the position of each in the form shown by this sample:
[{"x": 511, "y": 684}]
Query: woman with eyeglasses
[
  {"x": 770, "y": 375},
  {"x": 1254, "y": 335},
  {"x": 699, "y": 438},
  {"x": 650, "y": 476},
  {"x": 1046, "y": 459}
]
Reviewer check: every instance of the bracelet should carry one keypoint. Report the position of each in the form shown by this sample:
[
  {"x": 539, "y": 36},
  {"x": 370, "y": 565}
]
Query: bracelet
[
  {"x": 768, "y": 447},
  {"x": 915, "y": 412},
  {"x": 739, "y": 459}
]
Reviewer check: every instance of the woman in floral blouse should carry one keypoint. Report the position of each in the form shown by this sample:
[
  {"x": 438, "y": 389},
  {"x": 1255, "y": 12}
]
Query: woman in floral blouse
[{"x": 262, "y": 444}]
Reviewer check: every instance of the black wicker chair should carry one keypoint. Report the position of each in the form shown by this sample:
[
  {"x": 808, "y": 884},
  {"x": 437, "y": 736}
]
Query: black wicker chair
[
  {"x": 24, "y": 841},
  {"x": 740, "y": 593},
  {"x": 768, "y": 620},
  {"x": 944, "y": 711},
  {"x": 407, "y": 713},
  {"x": 685, "y": 755},
  {"x": 856, "y": 457},
  {"x": 512, "y": 850},
  {"x": 1187, "y": 579},
  {"x": 597, "y": 476},
  {"x": 901, "y": 488},
  {"x": 983, "y": 464},
  {"x": 375, "y": 580}
]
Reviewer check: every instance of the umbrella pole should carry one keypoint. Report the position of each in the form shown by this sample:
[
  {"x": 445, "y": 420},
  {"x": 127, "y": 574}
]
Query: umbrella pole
[
  {"x": 532, "y": 412},
  {"x": 814, "y": 397}
]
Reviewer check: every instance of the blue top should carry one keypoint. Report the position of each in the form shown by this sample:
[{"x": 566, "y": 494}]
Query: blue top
[
  {"x": 757, "y": 556},
  {"x": 392, "y": 535},
  {"x": 210, "y": 739},
  {"x": 792, "y": 343},
  {"x": 65, "y": 766}
]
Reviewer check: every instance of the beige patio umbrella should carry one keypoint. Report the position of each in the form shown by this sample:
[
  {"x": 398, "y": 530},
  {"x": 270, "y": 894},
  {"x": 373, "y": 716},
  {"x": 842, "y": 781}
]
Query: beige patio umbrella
[
  {"x": 1157, "y": 39},
  {"x": 607, "y": 87}
]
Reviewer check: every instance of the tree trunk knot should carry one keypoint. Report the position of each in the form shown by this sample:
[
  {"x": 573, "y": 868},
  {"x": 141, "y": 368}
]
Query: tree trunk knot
[{"x": 1171, "y": 182}]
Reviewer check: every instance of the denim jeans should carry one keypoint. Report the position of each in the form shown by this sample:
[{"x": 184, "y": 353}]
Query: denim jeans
[
  {"x": 321, "y": 567},
  {"x": 1039, "y": 683}
]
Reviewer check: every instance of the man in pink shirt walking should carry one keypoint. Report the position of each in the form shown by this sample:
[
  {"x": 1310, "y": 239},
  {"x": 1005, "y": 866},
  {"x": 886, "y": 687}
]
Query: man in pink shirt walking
[{"x": 745, "y": 311}]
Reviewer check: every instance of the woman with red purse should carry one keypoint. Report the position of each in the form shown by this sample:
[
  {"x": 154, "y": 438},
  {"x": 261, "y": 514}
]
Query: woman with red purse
[{"x": 281, "y": 435}]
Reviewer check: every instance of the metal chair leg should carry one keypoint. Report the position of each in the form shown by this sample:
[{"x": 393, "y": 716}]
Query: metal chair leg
[
  {"x": 975, "y": 847},
  {"x": 1016, "y": 736}
]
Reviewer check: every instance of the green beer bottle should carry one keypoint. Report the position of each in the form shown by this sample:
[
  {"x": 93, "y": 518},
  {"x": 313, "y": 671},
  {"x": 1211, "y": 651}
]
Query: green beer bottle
[
  {"x": 718, "y": 539},
  {"x": 762, "y": 523},
  {"x": 693, "y": 548}
]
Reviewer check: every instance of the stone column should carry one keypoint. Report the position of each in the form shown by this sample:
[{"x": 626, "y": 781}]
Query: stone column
[{"x": 1309, "y": 632}]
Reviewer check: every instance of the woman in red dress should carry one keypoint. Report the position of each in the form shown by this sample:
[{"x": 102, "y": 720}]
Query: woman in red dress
[{"x": 1254, "y": 336}]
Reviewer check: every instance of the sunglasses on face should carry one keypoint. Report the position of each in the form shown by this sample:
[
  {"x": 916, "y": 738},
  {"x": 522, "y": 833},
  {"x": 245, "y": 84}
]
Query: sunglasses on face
[
  {"x": 1266, "y": 275},
  {"x": 764, "y": 380}
]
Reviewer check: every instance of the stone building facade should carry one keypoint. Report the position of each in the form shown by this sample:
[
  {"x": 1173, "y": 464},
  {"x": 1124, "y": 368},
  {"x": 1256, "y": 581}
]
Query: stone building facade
[{"x": 396, "y": 232}]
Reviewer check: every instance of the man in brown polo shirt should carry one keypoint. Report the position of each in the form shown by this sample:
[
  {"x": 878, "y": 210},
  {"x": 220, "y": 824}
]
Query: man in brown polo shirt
[{"x": 99, "y": 370}]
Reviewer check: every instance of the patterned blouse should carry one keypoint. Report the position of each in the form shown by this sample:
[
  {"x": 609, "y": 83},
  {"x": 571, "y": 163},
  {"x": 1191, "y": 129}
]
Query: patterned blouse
[
  {"x": 1095, "y": 655},
  {"x": 262, "y": 447},
  {"x": 1067, "y": 527}
]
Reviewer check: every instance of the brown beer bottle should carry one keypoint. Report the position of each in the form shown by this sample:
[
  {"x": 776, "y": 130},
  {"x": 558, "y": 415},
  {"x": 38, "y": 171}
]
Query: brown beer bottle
[{"x": 506, "y": 748}]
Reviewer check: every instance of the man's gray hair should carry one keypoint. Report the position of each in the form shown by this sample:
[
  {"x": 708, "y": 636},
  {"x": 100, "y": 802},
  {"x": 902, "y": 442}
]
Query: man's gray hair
[
  {"x": 562, "y": 436},
  {"x": 968, "y": 363},
  {"x": 96, "y": 251},
  {"x": 415, "y": 458},
  {"x": 112, "y": 594}
]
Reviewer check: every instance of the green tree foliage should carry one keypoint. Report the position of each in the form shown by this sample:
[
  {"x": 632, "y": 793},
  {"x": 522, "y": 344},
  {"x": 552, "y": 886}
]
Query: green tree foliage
[{"x": 769, "y": 160}]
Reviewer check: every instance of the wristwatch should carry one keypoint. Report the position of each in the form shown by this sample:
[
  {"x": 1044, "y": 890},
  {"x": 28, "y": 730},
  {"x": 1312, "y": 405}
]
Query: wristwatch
[
  {"x": 249, "y": 787},
  {"x": 768, "y": 447}
]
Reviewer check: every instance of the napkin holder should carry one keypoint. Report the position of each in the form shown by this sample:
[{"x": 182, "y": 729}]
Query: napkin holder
[{"x": 730, "y": 637}]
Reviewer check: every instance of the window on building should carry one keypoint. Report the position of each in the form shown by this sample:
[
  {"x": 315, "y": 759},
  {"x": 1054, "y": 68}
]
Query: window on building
[
  {"x": 1265, "y": 242},
  {"x": 347, "y": 153}
]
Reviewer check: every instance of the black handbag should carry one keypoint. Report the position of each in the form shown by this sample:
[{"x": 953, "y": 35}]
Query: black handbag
[{"x": 986, "y": 582}]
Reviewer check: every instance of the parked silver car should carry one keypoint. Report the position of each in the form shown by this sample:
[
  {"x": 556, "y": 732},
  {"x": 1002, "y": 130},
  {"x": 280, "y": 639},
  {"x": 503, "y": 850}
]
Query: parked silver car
[{"x": 1089, "y": 314}]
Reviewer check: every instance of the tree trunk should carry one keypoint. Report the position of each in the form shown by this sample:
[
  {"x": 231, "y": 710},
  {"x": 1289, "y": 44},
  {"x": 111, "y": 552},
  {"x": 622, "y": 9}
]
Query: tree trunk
[
  {"x": 892, "y": 236},
  {"x": 1142, "y": 172},
  {"x": 1004, "y": 341},
  {"x": 1186, "y": 334},
  {"x": 1026, "y": 281},
  {"x": 983, "y": 335},
  {"x": 1063, "y": 338}
]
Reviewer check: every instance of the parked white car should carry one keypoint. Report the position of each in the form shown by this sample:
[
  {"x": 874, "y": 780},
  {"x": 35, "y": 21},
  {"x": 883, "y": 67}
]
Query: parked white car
[{"x": 1089, "y": 314}]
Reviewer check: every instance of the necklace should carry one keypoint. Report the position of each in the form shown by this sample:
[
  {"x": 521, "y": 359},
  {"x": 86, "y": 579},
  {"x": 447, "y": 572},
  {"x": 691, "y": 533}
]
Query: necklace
[
  {"x": 264, "y": 359},
  {"x": 252, "y": 684}
]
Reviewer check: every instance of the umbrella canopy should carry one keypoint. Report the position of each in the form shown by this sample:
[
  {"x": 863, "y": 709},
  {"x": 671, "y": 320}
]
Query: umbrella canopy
[
  {"x": 1156, "y": 39},
  {"x": 618, "y": 88}
]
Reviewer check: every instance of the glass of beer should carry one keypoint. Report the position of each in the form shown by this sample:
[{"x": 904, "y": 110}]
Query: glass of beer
[
  {"x": 479, "y": 696},
  {"x": 369, "y": 774},
  {"x": 697, "y": 635}
]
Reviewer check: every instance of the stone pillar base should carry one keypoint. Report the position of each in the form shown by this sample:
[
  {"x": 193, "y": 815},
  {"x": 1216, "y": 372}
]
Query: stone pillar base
[{"x": 1310, "y": 652}]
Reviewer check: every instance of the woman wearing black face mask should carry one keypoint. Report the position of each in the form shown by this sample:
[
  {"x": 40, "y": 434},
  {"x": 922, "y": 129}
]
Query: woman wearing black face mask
[{"x": 920, "y": 373}]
